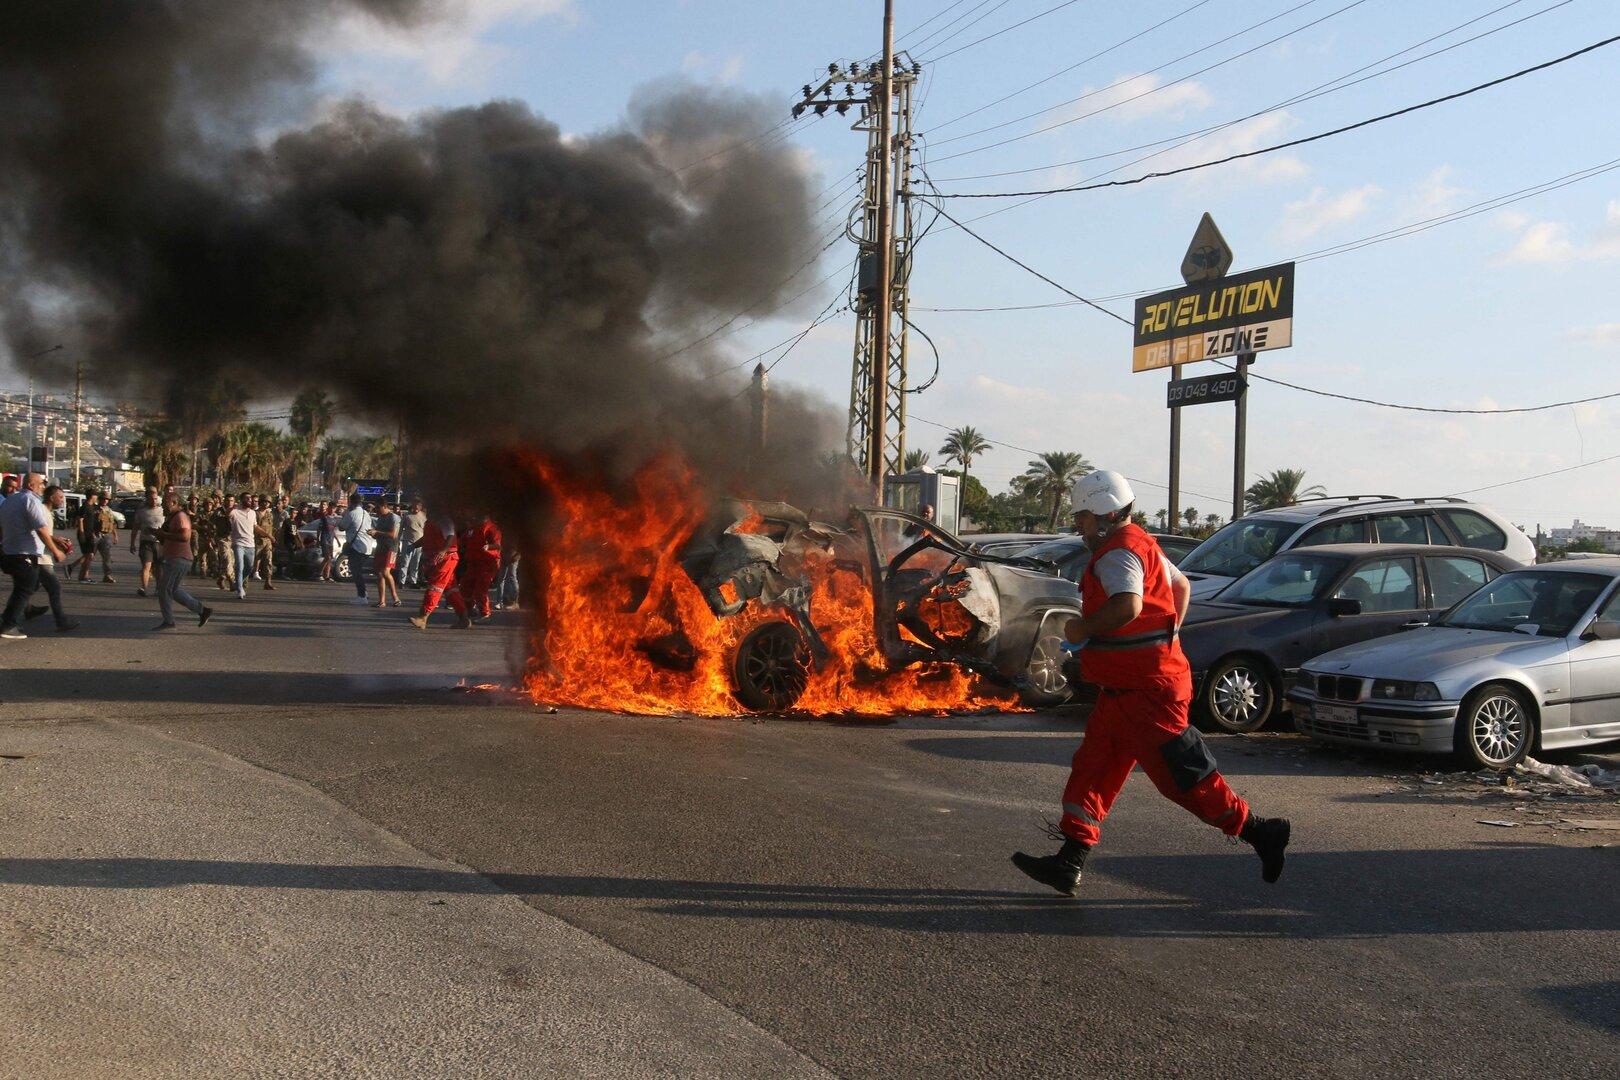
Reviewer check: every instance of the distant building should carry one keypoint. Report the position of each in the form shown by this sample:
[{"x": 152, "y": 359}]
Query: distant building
[{"x": 1581, "y": 531}]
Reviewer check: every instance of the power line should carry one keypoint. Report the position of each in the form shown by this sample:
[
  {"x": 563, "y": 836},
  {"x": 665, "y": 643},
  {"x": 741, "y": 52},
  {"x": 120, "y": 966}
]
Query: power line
[
  {"x": 1149, "y": 71},
  {"x": 937, "y": 57},
  {"x": 931, "y": 18},
  {"x": 1537, "y": 476},
  {"x": 1029, "y": 269},
  {"x": 1331, "y": 86},
  {"x": 1398, "y": 233},
  {"x": 1292, "y": 142},
  {"x": 1080, "y": 63},
  {"x": 964, "y": 15},
  {"x": 1279, "y": 382}
]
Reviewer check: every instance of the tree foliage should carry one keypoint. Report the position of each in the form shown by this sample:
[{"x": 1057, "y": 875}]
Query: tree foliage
[{"x": 1282, "y": 487}]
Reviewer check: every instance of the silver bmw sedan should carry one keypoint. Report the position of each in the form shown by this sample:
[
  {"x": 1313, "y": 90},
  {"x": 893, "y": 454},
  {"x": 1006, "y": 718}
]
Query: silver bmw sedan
[{"x": 1530, "y": 661}]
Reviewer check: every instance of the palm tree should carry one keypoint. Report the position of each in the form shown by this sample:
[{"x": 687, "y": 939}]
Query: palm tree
[
  {"x": 311, "y": 417},
  {"x": 205, "y": 412},
  {"x": 159, "y": 451},
  {"x": 334, "y": 462},
  {"x": 1050, "y": 476},
  {"x": 915, "y": 459},
  {"x": 1164, "y": 517},
  {"x": 1211, "y": 521},
  {"x": 1281, "y": 488},
  {"x": 962, "y": 446},
  {"x": 1190, "y": 516}
]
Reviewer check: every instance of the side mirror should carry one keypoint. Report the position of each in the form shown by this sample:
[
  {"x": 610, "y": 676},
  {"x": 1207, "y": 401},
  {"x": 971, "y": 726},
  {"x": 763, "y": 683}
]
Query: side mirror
[
  {"x": 1602, "y": 630},
  {"x": 1343, "y": 605}
]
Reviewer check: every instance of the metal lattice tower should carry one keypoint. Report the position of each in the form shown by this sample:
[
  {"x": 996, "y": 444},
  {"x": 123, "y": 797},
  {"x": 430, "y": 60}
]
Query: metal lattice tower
[{"x": 863, "y": 231}]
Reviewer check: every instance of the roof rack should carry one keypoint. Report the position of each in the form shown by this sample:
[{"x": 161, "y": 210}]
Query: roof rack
[{"x": 1339, "y": 498}]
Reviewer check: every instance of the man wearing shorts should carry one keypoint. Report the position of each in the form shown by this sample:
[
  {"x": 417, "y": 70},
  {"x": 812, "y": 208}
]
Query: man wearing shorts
[{"x": 143, "y": 541}]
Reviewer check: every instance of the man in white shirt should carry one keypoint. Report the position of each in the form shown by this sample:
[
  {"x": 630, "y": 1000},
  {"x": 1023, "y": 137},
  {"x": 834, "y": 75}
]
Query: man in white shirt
[
  {"x": 26, "y": 538},
  {"x": 357, "y": 526},
  {"x": 244, "y": 520}
]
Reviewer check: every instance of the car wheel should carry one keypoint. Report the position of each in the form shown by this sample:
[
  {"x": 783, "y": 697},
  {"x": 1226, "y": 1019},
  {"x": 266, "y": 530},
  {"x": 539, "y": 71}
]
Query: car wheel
[
  {"x": 1048, "y": 685},
  {"x": 1239, "y": 695},
  {"x": 340, "y": 568},
  {"x": 1495, "y": 728},
  {"x": 771, "y": 668}
]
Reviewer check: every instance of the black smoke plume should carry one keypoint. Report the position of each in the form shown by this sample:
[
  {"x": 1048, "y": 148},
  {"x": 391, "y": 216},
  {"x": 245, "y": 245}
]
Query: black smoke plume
[{"x": 172, "y": 213}]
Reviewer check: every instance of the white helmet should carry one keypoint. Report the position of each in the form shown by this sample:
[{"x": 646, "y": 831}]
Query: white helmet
[{"x": 1102, "y": 492}]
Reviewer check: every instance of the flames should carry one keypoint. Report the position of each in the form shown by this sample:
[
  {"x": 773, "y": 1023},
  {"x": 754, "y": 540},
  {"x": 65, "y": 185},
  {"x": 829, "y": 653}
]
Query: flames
[{"x": 618, "y": 625}]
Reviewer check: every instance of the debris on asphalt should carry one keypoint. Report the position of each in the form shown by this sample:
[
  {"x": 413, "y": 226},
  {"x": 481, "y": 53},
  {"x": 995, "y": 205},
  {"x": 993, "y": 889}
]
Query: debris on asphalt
[
  {"x": 1499, "y": 824},
  {"x": 1579, "y": 777},
  {"x": 1607, "y": 824}
]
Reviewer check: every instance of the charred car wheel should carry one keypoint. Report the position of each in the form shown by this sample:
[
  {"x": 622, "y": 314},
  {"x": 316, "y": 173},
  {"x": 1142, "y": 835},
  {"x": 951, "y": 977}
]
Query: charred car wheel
[
  {"x": 1048, "y": 683},
  {"x": 1239, "y": 695},
  {"x": 771, "y": 668}
]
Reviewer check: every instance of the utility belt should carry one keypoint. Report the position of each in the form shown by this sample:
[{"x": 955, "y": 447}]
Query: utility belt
[{"x": 1131, "y": 641}]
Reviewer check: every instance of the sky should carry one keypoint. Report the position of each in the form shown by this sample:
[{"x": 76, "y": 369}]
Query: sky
[{"x": 1512, "y": 307}]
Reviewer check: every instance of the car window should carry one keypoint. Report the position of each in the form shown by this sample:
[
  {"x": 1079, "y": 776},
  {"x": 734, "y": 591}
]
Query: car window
[
  {"x": 1476, "y": 530},
  {"x": 1403, "y": 529},
  {"x": 1611, "y": 609},
  {"x": 1383, "y": 585},
  {"x": 1070, "y": 555},
  {"x": 1353, "y": 531},
  {"x": 1549, "y": 599},
  {"x": 1239, "y": 547},
  {"x": 1292, "y": 579},
  {"x": 1177, "y": 549},
  {"x": 1452, "y": 577}
]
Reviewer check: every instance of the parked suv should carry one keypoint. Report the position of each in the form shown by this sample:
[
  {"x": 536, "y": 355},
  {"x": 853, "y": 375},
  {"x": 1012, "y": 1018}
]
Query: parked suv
[{"x": 1244, "y": 544}]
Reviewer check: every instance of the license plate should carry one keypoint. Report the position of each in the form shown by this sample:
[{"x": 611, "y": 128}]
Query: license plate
[{"x": 1336, "y": 714}]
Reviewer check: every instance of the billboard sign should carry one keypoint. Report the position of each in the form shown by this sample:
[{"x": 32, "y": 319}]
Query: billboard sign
[{"x": 1245, "y": 313}]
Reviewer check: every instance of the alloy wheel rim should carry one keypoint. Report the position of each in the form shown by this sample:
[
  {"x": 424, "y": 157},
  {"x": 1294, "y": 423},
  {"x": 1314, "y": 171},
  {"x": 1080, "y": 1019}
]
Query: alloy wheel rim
[
  {"x": 1046, "y": 666},
  {"x": 1498, "y": 729},
  {"x": 1237, "y": 695}
]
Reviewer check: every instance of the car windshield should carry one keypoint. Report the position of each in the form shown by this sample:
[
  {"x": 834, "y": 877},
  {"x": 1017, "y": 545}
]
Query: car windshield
[
  {"x": 1550, "y": 600},
  {"x": 1239, "y": 547},
  {"x": 1291, "y": 580}
]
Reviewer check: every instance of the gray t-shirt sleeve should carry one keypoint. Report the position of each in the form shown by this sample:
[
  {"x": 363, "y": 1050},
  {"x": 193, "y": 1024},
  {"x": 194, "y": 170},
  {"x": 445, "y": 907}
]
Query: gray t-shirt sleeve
[{"x": 1121, "y": 572}]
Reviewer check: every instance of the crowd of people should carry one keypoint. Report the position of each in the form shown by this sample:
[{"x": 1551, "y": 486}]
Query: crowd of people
[{"x": 249, "y": 540}]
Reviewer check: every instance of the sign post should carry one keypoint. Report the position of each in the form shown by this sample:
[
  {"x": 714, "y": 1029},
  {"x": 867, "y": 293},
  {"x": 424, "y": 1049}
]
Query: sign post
[
  {"x": 1215, "y": 316},
  {"x": 1240, "y": 441}
]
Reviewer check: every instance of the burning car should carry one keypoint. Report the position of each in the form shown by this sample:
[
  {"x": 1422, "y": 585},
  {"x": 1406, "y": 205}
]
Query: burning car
[{"x": 934, "y": 601}]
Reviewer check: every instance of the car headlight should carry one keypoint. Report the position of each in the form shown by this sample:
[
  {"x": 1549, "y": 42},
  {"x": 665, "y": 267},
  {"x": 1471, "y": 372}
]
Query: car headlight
[{"x": 1401, "y": 690}]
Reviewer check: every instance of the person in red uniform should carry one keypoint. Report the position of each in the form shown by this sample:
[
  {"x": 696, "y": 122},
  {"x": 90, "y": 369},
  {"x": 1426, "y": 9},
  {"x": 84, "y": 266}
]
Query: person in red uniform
[
  {"x": 440, "y": 558},
  {"x": 1132, "y": 602},
  {"x": 481, "y": 558}
]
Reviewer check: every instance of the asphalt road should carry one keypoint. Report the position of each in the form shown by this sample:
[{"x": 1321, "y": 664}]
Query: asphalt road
[{"x": 288, "y": 827}]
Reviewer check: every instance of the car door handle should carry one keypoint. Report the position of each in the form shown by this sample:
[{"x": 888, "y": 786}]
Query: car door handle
[{"x": 1414, "y": 624}]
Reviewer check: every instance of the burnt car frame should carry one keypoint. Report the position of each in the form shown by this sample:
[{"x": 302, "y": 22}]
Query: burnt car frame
[
  {"x": 1007, "y": 612},
  {"x": 1246, "y": 644}
]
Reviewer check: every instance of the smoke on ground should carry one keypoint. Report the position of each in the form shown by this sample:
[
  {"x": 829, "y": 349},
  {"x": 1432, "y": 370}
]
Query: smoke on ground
[{"x": 181, "y": 208}]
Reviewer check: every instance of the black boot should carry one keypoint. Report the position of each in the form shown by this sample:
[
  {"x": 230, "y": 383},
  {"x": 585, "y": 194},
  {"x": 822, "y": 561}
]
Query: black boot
[
  {"x": 1061, "y": 871},
  {"x": 1269, "y": 836}
]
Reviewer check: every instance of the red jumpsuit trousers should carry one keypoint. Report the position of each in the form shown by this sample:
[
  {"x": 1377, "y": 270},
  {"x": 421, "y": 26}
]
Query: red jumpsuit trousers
[
  {"x": 442, "y": 583},
  {"x": 1147, "y": 728}
]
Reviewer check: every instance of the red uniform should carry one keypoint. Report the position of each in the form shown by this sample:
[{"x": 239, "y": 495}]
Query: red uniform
[
  {"x": 1141, "y": 714},
  {"x": 481, "y": 554},
  {"x": 441, "y": 557}
]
